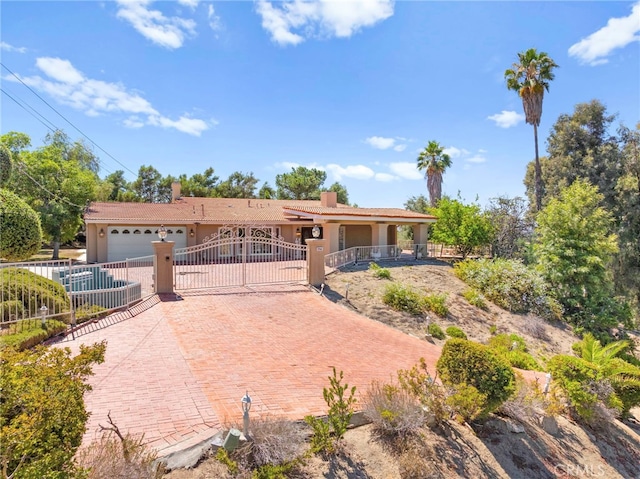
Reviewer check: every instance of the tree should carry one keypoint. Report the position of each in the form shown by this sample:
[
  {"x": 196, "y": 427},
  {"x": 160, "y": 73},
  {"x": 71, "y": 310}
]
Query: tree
[
  {"x": 434, "y": 162},
  {"x": 202, "y": 185},
  {"x": 512, "y": 227},
  {"x": 6, "y": 164},
  {"x": 20, "y": 231},
  {"x": 343, "y": 196},
  {"x": 149, "y": 185},
  {"x": 301, "y": 184},
  {"x": 572, "y": 246},
  {"x": 57, "y": 188},
  {"x": 42, "y": 412},
  {"x": 16, "y": 142},
  {"x": 419, "y": 204},
  {"x": 238, "y": 185},
  {"x": 266, "y": 192},
  {"x": 530, "y": 77},
  {"x": 463, "y": 226}
]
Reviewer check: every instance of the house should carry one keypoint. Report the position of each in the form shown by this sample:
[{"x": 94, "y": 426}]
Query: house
[{"x": 116, "y": 231}]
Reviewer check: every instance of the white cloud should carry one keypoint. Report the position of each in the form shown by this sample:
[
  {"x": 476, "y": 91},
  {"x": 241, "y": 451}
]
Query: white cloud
[
  {"x": 71, "y": 87},
  {"x": 406, "y": 170},
  {"x": 476, "y": 159},
  {"x": 314, "y": 18},
  {"x": 618, "y": 33},
  {"x": 359, "y": 172},
  {"x": 454, "y": 152},
  {"x": 400, "y": 148},
  {"x": 214, "y": 20},
  {"x": 10, "y": 48},
  {"x": 385, "y": 177},
  {"x": 168, "y": 32},
  {"x": 507, "y": 119},
  {"x": 189, "y": 3},
  {"x": 287, "y": 165},
  {"x": 380, "y": 142}
]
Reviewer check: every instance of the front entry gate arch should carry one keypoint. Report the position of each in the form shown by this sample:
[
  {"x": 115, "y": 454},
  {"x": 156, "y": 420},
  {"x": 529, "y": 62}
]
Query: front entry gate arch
[{"x": 240, "y": 256}]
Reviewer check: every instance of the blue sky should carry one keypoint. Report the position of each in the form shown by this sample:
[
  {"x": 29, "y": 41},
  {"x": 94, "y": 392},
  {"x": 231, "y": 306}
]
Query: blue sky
[{"x": 356, "y": 88}]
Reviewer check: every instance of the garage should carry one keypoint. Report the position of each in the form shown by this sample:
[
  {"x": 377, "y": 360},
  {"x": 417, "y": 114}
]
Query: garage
[{"x": 134, "y": 241}]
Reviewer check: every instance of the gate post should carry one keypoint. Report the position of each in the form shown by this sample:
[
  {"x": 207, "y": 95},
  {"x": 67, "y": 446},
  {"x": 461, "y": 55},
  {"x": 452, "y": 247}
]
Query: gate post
[
  {"x": 316, "y": 249},
  {"x": 163, "y": 266}
]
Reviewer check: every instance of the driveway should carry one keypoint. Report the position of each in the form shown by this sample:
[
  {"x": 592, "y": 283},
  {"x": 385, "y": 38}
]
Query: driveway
[{"x": 176, "y": 368}]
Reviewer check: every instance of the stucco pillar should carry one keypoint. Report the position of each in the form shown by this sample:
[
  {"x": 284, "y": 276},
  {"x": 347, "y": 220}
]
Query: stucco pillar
[
  {"x": 316, "y": 249},
  {"x": 420, "y": 234},
  {"x": 379, "y": 234},
  {"x": 331, "y": 232},
  {"x": 163, "y": 266}
]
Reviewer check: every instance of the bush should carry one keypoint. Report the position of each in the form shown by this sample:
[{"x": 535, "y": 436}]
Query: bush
[
  {"x": 526, "y": 403},
  {"x": 29, "y": 333},
  {"x": 513, "y": 348},
  {"x": 378, "y": 272},
  {"x": 573, "y": 376},
  {"x": 402, "y": 298},
  {"x": 118, "y": 455},
  {"x": 510, "y": 285},
  {"x": 534, "y": 327},
  {"x": 275, "y": 441},
  {"x": 21, "y": 232},
  {"x": 474, "y": 298},
  {"x": 625, "y": 380},
  {"x": 12, "y": 309},
  {"x": 42, "y": 409},
  {"x": 41, "y": 291},
  {"x": 436, "y": 303},
  {"x": 455, "y": 332},
  {"x": 467, "y": 403},
  {"x": 89, "y": 311},
  {"x": 418, "y": 383},
  {"x": 436, "y": 331},
  {"x": 473, "y": 364},
  {"x": 393, "y": 410}
]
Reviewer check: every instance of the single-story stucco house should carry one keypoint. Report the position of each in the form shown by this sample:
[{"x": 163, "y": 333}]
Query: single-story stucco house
[{"x": 117, "y": 231}]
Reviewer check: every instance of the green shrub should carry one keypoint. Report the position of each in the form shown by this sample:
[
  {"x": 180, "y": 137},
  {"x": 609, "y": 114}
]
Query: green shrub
[
  {"x": 378, "y": 272},
  {"x": 493, "y": 329},
  {"x": 41, "y": 291},
  {"x": 474, "y": 298},
  {"x": 89, "y": 311},
  {"x": 436, "y": 303},
  {"x": 455, "y": 332},
  {"x": 11, "y": 310},
  {"x": 507, "y": 342},
  {"x": 467, "y": 403},
  {"x": 21, "y": 232},
  {"x": 522, "y": 360},
  {"x": 473, "y": 364},
  {"x": 574, "y": 377},
  {"x": 436, "y": 331},
  {"x": 341, "y": 401},
  {"x": 273, "y": 471},
  {"x": 29, "y": 333},
  {"x": 510, "y": 285},
  {"x": 513, "y": 348},
  {"x": 223, "y": 457},
  {"x": 402, "y": 298},
  {"x": 420, "y": 384},
  {"x": 625, "y": 379},
  {"x": 6, "y": 164}
]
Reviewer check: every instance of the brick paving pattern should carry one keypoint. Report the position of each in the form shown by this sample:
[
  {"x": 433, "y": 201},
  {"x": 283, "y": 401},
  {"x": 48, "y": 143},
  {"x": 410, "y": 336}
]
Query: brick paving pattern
[{"x": 176, "y": 370}]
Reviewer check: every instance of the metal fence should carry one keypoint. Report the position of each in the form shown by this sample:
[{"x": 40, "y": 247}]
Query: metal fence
[{"x": 68, "y": 292}]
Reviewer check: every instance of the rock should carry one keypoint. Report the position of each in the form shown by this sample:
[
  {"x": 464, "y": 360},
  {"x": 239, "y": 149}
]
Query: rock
[
  {"x": 550, "y": 425},
  {"x": 515, "y": 427}
]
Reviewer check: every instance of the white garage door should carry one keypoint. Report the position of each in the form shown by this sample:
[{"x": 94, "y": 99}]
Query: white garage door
[{"x": 135, "y": 241}]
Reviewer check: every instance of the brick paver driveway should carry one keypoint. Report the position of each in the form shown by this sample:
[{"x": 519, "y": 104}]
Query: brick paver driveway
[{"x": 176, "y": 371}]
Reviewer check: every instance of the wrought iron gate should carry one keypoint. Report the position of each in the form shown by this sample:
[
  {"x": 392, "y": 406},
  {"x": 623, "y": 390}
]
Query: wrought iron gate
[{"x": 240, "y": 256}]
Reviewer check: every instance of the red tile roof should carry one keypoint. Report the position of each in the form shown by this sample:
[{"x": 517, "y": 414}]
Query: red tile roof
[{"x": 234, "y": 210}]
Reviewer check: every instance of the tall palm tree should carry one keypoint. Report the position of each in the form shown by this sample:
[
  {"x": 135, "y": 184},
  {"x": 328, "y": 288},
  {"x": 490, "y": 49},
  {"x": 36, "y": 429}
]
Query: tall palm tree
[
  {"x": 434, "y": 162},
  {"x": 530, "y": 77}
]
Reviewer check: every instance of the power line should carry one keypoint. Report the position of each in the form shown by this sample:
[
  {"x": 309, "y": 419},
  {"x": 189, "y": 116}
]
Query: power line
[
  {"x": 23, "y": 169},
  {"x": 31, "y": 113},
  {"x": 65, "y": 119}
]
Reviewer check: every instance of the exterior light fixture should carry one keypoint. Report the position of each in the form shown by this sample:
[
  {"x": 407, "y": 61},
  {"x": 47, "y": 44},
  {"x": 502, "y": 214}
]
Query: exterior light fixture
[
  {"x": 315, "y": 231},
  {"x": 192, "y": 233},
  {"x": 43, "y": 315},
  {"x": 297, "y": 231},
  {"x": 101, "y": 234},
  {"x": 246, "y": 406},
  {"x": 162, "y": 233}
]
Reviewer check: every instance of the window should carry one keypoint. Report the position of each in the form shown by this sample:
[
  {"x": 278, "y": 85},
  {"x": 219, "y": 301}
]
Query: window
[
  {"x": 115, "y": 232},
  {"x": 179, "y": 232},
  {"x": 147, "y": 232},
  {"x": 137, "y": 232},
  {"x": 125, "y": 232}
]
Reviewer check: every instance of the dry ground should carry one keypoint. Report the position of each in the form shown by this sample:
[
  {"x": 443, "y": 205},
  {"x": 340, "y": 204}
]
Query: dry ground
[{"x": 487, "y": 450}]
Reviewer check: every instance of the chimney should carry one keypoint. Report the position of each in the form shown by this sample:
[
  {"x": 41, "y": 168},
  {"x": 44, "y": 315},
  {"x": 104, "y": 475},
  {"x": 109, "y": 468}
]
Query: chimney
[
  {"x": 329, "y": 199},
  {"x": 175, "y": 191}
]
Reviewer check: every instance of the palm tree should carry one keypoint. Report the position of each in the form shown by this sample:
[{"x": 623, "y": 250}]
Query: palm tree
[
  {"x": 530, "y": 77},
  {"x": 434, "y": 162}
]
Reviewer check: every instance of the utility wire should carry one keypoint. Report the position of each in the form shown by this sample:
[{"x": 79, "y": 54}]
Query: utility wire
[
  {"x": 65, "y": 119},
  {"x": 31, "y": 113},
  {"x": 22, "y": 167}
]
